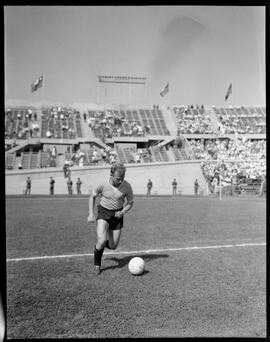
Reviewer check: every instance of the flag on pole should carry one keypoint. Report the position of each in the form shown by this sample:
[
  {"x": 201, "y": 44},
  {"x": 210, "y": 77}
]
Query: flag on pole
[
  {"x": 165, "y": 90},
  {"x": 37, "y": 84},
  {"x": 229, "y": 91}
]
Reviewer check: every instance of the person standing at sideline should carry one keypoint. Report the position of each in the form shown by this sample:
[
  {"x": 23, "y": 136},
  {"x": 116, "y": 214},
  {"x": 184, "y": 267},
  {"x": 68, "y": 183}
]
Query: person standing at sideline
[
  {"x": 174, "y": 185},
  {"x": 28, "y": 186},
  {"x": 52, "y": 181},
  {"x": 116, "y": 200},
  {"x": 69, "y": 185},
  {"x": 263, "y": 186},
  {"x": 149, "y": 187},
  {"x": 79, "y": 183},
  {"x": 196, "y": 187}
]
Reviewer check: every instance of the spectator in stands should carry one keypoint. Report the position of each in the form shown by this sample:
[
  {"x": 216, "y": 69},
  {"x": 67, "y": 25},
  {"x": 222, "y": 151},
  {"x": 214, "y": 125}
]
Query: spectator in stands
[
  {"x": 52, "y": 181},
  {"x": 28, "y": 186},
  {"x": 95, "y": 156},
  {"x": 69, "y": 185},
  {"x": 178, "y": 142},
  {"x": 196, "y": 187},
  {"x": 137, "y": 158},
  {"x": 35, "y": 127},
  {"x": 70, "y": 132},
  {"x": 112, "y": 159},
  {"x": 149, "y": 187},
  {"x": 174, "y": 186},
  {"x": 78, "y": 184},
  {"x": 103, "y": 154},
  {"x": 81, "y": 159},
  {"x": 54, "y": 152},
  {"x": 147, "y": 129},
  {"x": 74, "y": 158}
]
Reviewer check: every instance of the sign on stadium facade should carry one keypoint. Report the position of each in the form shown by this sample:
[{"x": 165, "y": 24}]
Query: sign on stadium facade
[{"x": 122, "y": 79}]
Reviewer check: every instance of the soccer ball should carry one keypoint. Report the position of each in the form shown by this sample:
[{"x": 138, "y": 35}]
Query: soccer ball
[{"x": 136, "y": 266}]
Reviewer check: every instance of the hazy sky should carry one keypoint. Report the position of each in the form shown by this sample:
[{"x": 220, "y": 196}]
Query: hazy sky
[{"x": 199, "y": 50}]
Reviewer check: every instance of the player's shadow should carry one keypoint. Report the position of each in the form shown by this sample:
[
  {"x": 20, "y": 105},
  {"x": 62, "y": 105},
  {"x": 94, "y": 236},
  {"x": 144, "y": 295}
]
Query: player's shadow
[{"x": 122, "y": 262}]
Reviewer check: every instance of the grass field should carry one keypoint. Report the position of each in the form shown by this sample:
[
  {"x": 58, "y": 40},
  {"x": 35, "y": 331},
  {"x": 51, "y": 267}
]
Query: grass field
[{"x": 205, "y": 270}]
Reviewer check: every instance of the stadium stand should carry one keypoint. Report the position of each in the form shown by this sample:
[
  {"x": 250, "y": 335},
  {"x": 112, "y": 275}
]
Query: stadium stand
[
  {"x": 193, "y": 120},
  {"x": 177, "y": 154},
  {"x": 60, "y": 123},
  {"x": 25, "y": 160},
  {"x": 10, "y": 161},
  {"x": 241, "y": 120},
  {"x": 229, "y": 141},
  {"x": 113, "y": 123},
  {"x": 21, "y": 123},
  {"x": 34, "y": 160},
  {"x": 44, "y": 159}
]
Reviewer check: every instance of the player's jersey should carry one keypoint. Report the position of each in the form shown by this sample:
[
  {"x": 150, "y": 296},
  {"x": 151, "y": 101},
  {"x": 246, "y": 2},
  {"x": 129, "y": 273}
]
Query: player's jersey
[{"x": 113, "y": 198}]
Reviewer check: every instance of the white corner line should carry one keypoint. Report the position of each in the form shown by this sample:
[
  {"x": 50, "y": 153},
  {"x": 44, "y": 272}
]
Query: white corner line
[{"x": 138, "y": 252}]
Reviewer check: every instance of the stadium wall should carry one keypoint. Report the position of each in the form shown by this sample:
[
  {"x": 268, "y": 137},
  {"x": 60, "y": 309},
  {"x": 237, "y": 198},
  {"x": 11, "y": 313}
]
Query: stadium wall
[{"x": 161, "y": 174}]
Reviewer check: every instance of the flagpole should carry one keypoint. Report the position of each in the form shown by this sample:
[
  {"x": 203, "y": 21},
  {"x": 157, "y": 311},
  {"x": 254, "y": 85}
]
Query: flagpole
[
  {"x": 232, "y": 97},
  {"x": 170, "y": 98},
  {"x": 43, "y": 86},
  {"x": 97, "y": 91}
]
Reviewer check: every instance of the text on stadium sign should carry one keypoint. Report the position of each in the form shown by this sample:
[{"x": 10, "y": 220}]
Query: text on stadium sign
[{"x": 122, "y": 79}]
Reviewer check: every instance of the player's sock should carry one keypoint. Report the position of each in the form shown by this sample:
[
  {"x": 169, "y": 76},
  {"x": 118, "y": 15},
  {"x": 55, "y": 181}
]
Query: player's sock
[
  {"x": 98, "y": 256},
  {"x": 107, "y": 244}
]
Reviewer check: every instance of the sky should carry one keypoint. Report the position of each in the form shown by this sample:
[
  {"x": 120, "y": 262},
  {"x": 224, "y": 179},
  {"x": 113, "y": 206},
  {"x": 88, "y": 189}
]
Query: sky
[{"x": 198, "y": 50}]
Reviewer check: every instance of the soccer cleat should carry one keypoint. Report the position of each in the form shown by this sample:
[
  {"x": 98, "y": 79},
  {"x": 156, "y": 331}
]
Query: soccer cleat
[{"x": 97, "y": 270}]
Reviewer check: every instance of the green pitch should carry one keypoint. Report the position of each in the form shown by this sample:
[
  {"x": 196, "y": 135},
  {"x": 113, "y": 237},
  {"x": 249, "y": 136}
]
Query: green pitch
[{"x": 183, "y": 292}]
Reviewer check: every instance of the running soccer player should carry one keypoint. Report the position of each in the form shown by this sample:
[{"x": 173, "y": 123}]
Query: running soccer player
[{"x": 116, "y": 200}]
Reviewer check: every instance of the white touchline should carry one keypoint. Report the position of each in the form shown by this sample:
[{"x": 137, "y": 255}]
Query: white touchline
[{"x": 138, "y": 252}]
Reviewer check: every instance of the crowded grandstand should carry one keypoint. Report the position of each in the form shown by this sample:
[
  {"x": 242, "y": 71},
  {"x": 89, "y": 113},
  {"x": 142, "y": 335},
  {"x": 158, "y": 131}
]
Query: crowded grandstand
[{"x": 229, "y": 142}]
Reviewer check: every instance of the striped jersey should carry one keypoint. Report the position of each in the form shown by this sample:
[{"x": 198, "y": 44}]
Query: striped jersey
[{"x": 114, "y": 198}]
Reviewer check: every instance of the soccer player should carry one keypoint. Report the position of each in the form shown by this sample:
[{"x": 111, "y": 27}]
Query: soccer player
[{"x": 116, "y": 200}]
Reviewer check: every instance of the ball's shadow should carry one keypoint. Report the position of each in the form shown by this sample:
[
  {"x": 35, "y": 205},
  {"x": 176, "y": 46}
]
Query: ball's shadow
[{"x": 122, "y": 262}]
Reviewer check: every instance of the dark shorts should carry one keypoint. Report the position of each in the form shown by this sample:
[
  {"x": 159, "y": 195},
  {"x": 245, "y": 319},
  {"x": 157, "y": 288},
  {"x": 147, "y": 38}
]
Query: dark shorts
[{"x": 108, "y": 216}]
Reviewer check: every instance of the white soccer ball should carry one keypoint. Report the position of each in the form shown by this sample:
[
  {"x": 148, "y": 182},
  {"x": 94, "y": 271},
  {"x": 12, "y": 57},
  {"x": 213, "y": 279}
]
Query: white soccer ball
[{"x": 136, "y": 266}]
